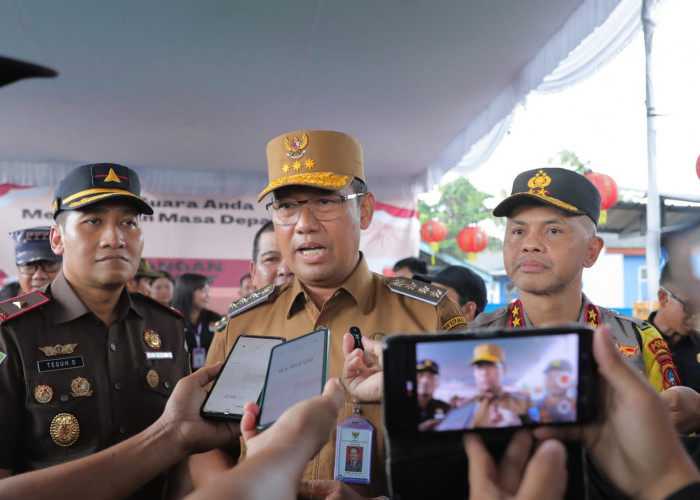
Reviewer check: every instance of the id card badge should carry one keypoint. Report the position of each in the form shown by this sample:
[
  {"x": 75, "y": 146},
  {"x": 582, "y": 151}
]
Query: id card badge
[
  {"x": 353, "y": 450},
  {"x": 199, "y": 357}
]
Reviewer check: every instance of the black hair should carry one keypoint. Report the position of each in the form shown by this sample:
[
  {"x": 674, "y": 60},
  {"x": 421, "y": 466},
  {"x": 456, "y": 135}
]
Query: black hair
[
  {"x": 267, "y": 227},
  {"x": 185, "y": 286},
  {"x": 244, "y": 277},
  {"x": 416, "y": 266}
]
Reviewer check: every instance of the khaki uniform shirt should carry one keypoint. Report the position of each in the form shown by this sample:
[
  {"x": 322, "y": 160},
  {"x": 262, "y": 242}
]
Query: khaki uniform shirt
[
  {"x": 503, "y": 410},
  {"x": 640, "y": 344},
  {"x": 365, "y": 301},
  {"x": 59, "y": 358}
]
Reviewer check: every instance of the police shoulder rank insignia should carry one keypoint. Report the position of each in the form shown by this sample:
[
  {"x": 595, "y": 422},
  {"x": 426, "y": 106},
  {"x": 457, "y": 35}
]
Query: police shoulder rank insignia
[
  {"x": 16, "y": 306},
  {"x": 417, "y": 290},
  {"x": 64, "y": 429},
  {"x": 152, "y": 339},
  {"x": 250, "y": 300},
  {"x": 58, "y": 349}
]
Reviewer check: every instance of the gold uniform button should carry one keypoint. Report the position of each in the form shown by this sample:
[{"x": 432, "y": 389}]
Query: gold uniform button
[
  {"x": 152, "y": 378},
  {"x": 64, "y": 429}
]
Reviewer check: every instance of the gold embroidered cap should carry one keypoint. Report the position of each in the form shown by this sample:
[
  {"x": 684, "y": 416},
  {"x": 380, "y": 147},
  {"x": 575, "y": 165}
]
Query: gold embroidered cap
[
  {"x": 98, "y": 182},
  {"x": 556, "y": 187},
  {"x": 488, "y": 352},
  {"x": 317, "y": 158}
]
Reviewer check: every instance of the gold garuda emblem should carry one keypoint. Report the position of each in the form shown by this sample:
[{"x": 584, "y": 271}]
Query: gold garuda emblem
[
  {"x": 540, "y": 181},
  {"x": 295, "y": 146}
]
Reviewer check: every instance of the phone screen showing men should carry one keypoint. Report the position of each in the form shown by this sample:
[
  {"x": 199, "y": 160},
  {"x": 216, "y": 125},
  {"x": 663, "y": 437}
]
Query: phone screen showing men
[{"x": 497, "y": 382}]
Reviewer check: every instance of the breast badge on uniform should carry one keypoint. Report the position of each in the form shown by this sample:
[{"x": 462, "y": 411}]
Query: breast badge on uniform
[
  {"x": 80, "y": 388},
  {"x": 152, "y": 339},
  {"x": 58, "y": 349},
  {"x": 417, "y": 290},
  {"x": 64, "y": 429},
  {"x": 152, "y": 379},
  {"x": 43, "y": 393}
]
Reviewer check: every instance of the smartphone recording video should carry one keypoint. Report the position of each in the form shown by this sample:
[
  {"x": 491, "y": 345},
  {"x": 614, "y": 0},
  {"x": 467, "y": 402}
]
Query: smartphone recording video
[{"x": 489, "y": 380}]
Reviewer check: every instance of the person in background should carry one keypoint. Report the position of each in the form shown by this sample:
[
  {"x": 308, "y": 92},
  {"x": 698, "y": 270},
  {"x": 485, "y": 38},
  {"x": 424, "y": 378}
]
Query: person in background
[
  {"x": 163, "y": 288},
  {"x": 463, "y": 285},
  {"x": 675, "y": 320},
  {"x": 409, "y": 266},
  {"x": 246, "y": 285},
  {"x": 191, "y": 298},
  {"x": 37, "y": 265},
  {"x": 268, "y": 265},
  {"x": 431, "y": 411},
  {"x": 143, "y": 278}
]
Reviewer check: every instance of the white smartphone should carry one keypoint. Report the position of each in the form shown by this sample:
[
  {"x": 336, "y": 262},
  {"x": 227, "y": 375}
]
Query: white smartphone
[
  {"x": 241, "y": 378},
  {"x": 297, "y": 371}
]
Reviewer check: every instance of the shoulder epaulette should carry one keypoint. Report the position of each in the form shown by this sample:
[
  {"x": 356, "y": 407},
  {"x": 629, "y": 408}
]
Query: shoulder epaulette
[
  {"x": 417, "y": 290},
  {"x": 250, "y": 300},
  {"x": 16, "y": 306},
  {"x": 637, "y": 321},
  {"x": 153, "y": 300}
]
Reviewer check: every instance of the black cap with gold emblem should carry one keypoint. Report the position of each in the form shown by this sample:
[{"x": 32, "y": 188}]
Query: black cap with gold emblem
[
  {"x": 556, "y": 187},
  {"x": 97, "y": 182}
]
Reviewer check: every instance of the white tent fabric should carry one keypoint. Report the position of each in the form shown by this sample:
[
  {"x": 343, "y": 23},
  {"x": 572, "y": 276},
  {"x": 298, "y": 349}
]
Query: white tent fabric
[{"x": 622, "y": 22}]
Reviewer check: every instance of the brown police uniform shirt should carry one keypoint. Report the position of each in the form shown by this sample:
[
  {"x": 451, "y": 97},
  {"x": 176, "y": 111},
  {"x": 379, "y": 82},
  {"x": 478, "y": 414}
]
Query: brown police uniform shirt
[
  {"x": 640, "y": 344},
  {"x": 366, "y": 301},
  {"x": 59, "y": 358}
]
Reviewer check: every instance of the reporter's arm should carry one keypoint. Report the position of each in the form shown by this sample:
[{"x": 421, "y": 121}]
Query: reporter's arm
[
  {"x": 633, "y": 441},
  {"x": 120, "y": 470},
  {"x": 276, "y": 458}
]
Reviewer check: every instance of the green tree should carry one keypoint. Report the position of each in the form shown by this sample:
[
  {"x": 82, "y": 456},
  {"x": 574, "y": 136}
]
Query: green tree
[{"x": 460, "y": 204}]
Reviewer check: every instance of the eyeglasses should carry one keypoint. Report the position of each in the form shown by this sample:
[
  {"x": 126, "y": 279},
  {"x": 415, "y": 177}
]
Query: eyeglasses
[
  {"x": 48, "y": 266},
  {"x": 323, "y": 208},
  {"x": 686, "y": 307}
]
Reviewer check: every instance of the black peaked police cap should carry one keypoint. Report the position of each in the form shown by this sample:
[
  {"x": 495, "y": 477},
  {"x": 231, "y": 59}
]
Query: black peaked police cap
[
  {"x": 98, "y": 182},
  {"x": 557, "y": 187}
]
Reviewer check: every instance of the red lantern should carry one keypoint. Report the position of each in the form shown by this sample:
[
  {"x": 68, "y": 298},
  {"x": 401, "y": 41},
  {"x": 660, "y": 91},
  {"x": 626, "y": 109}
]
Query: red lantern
[
  {"x": 607, "y": 187},
  {"x": 433, "y": 231},
  {"x": 472, "y": 239}
]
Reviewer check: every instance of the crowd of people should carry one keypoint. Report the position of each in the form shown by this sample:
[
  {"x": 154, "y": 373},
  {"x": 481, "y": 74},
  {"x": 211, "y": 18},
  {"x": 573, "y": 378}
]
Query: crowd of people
[{"x": 95, "y": 374}]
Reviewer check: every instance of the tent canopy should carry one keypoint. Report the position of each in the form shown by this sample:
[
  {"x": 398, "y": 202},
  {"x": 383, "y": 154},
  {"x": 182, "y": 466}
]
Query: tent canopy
[{"x": 189, "y": 93}]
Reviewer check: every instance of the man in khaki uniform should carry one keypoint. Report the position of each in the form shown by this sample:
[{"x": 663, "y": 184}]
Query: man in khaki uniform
[
  {"x": 550, "y": 238},
  {"x": 493, "y": 406},
  {"x": 320, "y": 205}
]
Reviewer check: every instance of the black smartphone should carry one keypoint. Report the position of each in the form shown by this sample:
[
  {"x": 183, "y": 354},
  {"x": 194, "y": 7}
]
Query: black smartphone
[
  {"x": 241, "y": 377},
  {"x": 489, "y": 379},
  {"x": 297, "y": 371}
]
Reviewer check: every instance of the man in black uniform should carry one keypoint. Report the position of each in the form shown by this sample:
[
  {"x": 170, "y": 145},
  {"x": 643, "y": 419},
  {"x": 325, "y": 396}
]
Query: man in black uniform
[
  {"x": 77, "y": 357},
  {"x": 431, "y": 411},
  {"x": 36, "y": 263}
]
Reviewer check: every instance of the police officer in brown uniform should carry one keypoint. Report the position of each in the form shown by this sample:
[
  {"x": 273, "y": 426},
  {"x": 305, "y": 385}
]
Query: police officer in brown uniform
[
  {"x": 550, "y": 238},
  {"x": 83, "y": 363},
  {"x": 319, "y": 206}
]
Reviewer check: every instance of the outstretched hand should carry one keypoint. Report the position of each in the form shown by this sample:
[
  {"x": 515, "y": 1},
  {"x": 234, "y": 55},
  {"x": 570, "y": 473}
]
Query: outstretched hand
[
  {"x": 362, "y": 371},
  {"x": 181, "y": 414},
  {"x": 517, "y": 475}
]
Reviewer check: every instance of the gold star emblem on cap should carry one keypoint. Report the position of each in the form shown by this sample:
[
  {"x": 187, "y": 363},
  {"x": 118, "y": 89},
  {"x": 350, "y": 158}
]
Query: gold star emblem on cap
[
  {"x": 285, "y": 168},
  {"x": 297, "y": 165},
  {"x": 112, "y": 177},
  {"x": 309, "y": 164}
]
